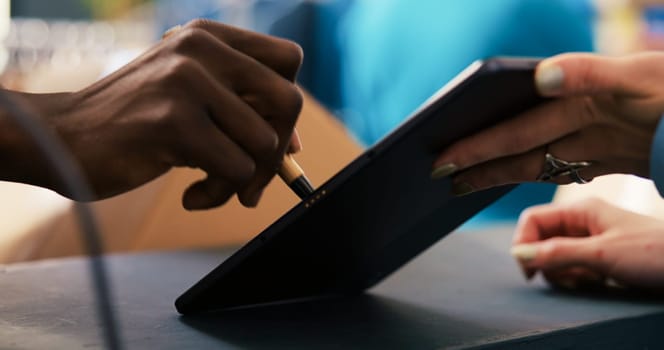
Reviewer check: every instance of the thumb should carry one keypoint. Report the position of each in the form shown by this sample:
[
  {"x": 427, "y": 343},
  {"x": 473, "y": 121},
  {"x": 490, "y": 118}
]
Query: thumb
[
  {"x": 580, "y": 74},
  {"x": 295, "y": 145},
  {"x": 561, "y": 252}
]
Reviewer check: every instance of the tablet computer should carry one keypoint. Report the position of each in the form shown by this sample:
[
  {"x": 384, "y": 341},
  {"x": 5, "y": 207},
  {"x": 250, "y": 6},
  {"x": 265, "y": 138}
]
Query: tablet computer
[{"x": 377, "y": 213}]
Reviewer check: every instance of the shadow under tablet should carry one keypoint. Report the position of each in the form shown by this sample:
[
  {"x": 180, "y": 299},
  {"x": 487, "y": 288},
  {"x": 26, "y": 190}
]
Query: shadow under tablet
[
  {"x": 376, "y": 322},
  {"x": 360, "y": 322},
  {"x": 377, "y": 213}
]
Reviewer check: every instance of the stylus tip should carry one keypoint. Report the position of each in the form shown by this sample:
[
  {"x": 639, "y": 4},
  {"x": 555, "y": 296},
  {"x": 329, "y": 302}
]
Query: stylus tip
[{"x": 302, "y": 187}]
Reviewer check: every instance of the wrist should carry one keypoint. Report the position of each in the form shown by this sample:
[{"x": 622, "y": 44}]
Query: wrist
[{"x": 22, "y": 160}]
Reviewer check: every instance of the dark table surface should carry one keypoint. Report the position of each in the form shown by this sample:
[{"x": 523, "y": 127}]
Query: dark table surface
[{"x": 464, "y": 292}]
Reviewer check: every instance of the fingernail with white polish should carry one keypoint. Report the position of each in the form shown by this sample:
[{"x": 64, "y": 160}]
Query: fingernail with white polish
[
  {"x": 524, "y": 252},
  {"x": 444, "y": 170},
  {"x": 549, "y": 79}
]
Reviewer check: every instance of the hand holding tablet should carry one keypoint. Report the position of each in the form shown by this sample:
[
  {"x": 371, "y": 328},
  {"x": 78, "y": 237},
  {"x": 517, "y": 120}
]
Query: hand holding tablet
[{"x": 602, "y": 120}]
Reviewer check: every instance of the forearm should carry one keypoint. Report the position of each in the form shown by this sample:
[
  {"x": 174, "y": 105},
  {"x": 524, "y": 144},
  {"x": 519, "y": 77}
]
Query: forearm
[
  {"x": 21, "y": 161},
  {"x": 211, "y": 97}
]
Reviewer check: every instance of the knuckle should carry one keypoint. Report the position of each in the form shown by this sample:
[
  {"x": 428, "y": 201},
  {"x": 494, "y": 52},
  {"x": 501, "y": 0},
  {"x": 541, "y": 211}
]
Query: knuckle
[
  {"x": 199, "y": 23},
  {"x": 178, "y": 70},
  {"x": 528, "y": 214},
  {"x": 292, "y": 54},
  {"x": 286, "y": 58},
  {"x": 168, "y": 110},
  {"x": 165, "y": 119},
  {"x": 179, "y": 65},
  {"x": 280, "y": 99},
  {"x": 190, "y": 39},
  {"x": 268, "y": 143},
  {"x": 291, "y": 101}
]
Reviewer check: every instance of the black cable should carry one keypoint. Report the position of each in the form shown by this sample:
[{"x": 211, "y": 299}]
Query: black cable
[{"x": 58, "y": 157}]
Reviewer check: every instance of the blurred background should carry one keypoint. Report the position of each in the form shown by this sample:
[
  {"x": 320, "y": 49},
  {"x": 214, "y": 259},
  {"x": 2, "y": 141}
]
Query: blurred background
[{"x": 370, "y": 63}]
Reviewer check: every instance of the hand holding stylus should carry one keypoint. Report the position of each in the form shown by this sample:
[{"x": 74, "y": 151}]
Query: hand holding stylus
[
  {"x": 210, "y": 96},
  {"x": 290, "y": 172},
  {"x": 288, "y": 168}
]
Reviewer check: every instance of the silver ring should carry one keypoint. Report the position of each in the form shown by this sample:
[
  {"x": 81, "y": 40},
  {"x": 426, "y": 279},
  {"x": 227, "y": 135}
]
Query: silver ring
[{"x": 555, "y": 167}]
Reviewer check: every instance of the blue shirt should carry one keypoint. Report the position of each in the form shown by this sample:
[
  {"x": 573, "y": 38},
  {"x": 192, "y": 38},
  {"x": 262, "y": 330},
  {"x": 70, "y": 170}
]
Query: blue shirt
[{"x": 397, "y": 53}]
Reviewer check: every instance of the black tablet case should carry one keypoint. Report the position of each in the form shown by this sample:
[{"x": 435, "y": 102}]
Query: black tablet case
[{"x": 380, "y": 211}]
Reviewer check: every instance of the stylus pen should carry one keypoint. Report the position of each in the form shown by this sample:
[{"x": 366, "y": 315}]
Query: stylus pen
[{"x": 294, "y": 177}]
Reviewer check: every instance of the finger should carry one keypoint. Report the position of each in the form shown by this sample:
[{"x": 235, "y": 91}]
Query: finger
[
  {"x": 577, "y": 219},
  {"x": 273, "y": 97},
  {"x": 282, "y": 56},
  {"x": 204, "y": 146},
  {"x": 280, "y": 104},
  {"x": 251, "y": 194},
  {"x": 601, "y": 146},
  {"x": 208, "y": 193},
  {"x": 295, "y": 145},
  {"x": 542, "y": 222},
  {"x": 608, "y": 149},
  {"x": 235, "y": 117},
  {"x": 507, "y": 170},
  {"x": 253, "y": 134},
  {"x": 582, "y": 73},
  {"x": 517, "y": 169},
  {"x": 562, "y": 252},
  {"x": 574, "y": 278},
  {"x": 232, "y": 67},
  {"x": 263, "y": 93},
  {"x": 525, "y": 132}
]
